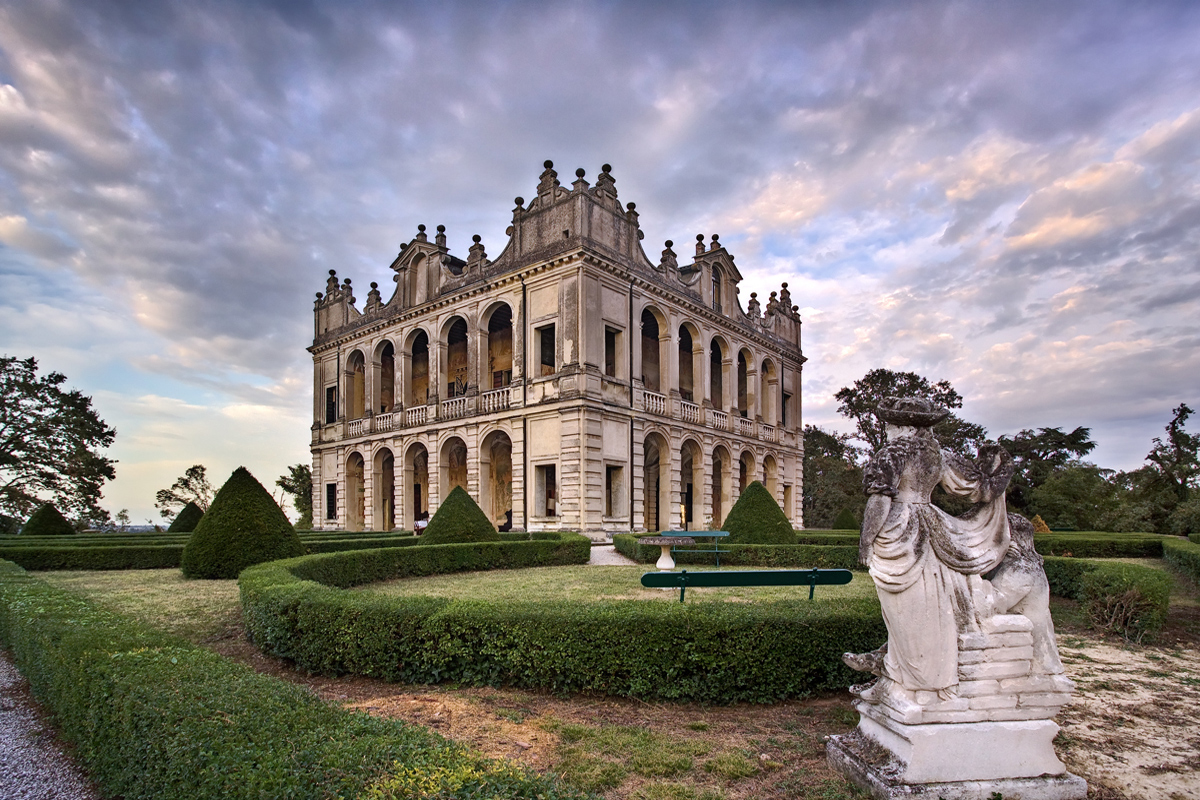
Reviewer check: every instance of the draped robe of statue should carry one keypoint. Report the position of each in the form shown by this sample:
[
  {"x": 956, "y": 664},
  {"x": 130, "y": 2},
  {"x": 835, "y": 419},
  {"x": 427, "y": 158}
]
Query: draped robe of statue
[{"x": 921, "y": 558}]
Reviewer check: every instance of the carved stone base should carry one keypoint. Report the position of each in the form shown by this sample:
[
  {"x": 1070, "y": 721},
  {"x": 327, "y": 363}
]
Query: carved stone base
[{"x": 870, "y": 765}]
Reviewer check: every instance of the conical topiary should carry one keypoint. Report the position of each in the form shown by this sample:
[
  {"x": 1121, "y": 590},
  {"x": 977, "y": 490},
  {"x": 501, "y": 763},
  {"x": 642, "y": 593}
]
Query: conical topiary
[
  {"x": 757, "y": 519},
  {"x": 1039, "y": 524},
  {"x": 242, "y": 527},
  {"x": 459, "y": 519},
  {"x": 187, "y": 519},
  {"x": 846, "y": 521},
  {"x": 47, "y": 521}
]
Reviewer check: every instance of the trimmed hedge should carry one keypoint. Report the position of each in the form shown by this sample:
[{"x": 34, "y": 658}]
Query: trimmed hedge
[
  {"x": 243, "y": 526},
  {"x": 1093, "y": 544},
  {"x": 1183, "y": 554},
  {"x": 747, "y": 555},
  {"x": 187, "y": 519},
  {"x": 47, "y": 521},
  {"x": 1127, "y": 599},
  {"x": 155, "y": 718},
  {"x": 757, "y": 519},
  {"x": 165, "y": 556},
  {"x": 459, "y": 519},
  {"x": 295, "y": 609}
]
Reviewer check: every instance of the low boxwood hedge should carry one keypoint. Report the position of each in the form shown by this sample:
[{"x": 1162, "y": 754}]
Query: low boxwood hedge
[
  {"x": 1126, "y": 599},
  {"x": 96, "y": 557},
  {"x": 1097, "y": 544},
  {"x": 155, "y": 718},
  {"x": 1183, "y": 554},
  {"x": 707, "y": 652},
  {"x": 841, "y": 556}
]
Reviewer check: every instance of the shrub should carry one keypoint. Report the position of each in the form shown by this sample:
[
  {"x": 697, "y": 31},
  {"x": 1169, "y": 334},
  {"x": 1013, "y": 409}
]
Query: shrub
[
  {"x": 839, "y": 555},
  {"x": 243, "y": 526},
  {"x": 152, "y": 716},
  {"x": 846, "y": 521},
  {"x": 1091, "y": 544},
  {"x": 1184, "y": 555},
  {"x": 47, "y": 521},
  {"x": 164, "y": 556},
  {"x": 1185, "y": 519},
  {"x": 706, "y": 652},
  {"x": 757, "y": 519},
  {"x": 1125, "y": 599},
  {"x": 1039, "y": 524},
  {"x": 187, "y": 519},
  {"x": 459, "y": 519}
]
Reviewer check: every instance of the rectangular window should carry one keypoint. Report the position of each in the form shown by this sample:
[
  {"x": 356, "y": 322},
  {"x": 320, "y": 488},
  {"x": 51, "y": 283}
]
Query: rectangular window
[
  {"x": 501, "y": 378},
  {"x": 330, "y": 405},
  {"x": 787, "y": 401},
  {"x": 546, "y": 491},
  {"x": 331, "y": 501},
  {"x": 614, "y": 492},
  {"x": 545, "y": 347},
  {"x": 612, "y": 347}
]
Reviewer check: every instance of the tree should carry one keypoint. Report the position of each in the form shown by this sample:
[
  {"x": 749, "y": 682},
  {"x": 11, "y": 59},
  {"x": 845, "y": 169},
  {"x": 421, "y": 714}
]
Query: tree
[
  {"x": 1077, "y": 497},
  {"x": 1037, "y": 455},
  {"x": 858, "y": 402},
  {"x": 298, "y": 483},
  {"x": 1177, "y": 460},
  {"x": 832, "y": 478},
  {"x": 50, "y": 442},
  {"x": 191, "y": 487}
]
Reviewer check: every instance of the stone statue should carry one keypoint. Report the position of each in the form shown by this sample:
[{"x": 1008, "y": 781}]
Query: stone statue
[{"x": 969, "y": 679}]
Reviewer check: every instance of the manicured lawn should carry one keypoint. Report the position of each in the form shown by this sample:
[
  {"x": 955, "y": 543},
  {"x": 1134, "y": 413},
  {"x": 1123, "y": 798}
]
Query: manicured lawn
[
  {"x": 198, "y": 610},
  {"x": 588, "y": 583}
]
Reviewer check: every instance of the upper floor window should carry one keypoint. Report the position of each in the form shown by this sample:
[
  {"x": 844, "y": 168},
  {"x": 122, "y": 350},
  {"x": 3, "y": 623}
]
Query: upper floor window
[
  {"x": 716, "y": 289},
  {"x": 544, "y": 339},
  {"x": 612, "y": 350},
  {"x": 330, "y": 405}
]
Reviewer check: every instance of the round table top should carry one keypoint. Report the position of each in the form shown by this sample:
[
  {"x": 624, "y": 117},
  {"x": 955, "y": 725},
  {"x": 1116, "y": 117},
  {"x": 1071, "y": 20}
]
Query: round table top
[{"x": 666, "y": 541}]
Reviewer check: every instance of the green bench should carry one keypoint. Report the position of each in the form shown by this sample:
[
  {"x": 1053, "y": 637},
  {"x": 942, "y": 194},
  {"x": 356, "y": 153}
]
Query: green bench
[
  {"x": 749, "y": 577},
  {"x": 716, "y": 536}
]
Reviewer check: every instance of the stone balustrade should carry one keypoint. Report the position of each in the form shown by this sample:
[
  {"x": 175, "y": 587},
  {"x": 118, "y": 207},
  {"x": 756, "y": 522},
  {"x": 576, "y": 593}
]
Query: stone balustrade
[{"x": 655, "y": 403}]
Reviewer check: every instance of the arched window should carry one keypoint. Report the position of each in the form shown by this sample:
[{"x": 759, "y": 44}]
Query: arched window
[{"x": 716, "y": 289}]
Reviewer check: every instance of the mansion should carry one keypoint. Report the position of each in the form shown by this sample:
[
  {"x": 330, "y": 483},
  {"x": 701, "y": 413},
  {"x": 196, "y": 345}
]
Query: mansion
[{"x": 571, "y": 383}]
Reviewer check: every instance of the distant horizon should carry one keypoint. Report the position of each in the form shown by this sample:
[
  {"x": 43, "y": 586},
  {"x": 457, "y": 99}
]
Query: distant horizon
[{"x": 1005, "y": 197}]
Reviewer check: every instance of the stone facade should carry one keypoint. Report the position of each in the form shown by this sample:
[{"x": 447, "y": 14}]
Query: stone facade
[{"x": 569, "y": 384}]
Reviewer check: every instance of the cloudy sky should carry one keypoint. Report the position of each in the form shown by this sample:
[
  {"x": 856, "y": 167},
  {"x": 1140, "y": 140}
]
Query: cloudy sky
[{"x": 1003, "y": 195}]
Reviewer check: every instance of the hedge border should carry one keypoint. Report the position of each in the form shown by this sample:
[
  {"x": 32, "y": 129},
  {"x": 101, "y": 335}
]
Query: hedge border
[
  {"x": 153, "y": 717},
  {"x": 295, "y": 609},
  {"x": 1183, "y": 554},
  {"x": 839, "y": 556},
  {"x": 1142, "y": 592}
]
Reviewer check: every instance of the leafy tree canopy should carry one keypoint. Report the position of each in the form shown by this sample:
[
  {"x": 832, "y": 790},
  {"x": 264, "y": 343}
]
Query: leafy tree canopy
[
  {"x": 1037, "y": 454},
  {"x": 50, "y": 442},
  {"x": 832, "y": 478},
  {"x": 298, "y": 483},
  {"x": 859, "y": 401},
  {"x": 191, "y": 487},
  {"x": 1177, "y": 460}
]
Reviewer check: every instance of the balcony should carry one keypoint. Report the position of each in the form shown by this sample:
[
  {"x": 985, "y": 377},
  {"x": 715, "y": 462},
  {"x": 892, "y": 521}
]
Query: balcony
[
  {"x": 766, "y": 432},
  {"x": 690, "y": 412},
  {"x": 745, "y": 427},
  {"x": 495, "y": 400},
  {"x": 358, "y": 427},
  {"x": 416, "y": 416},
  {"x": 655, "y": 403},
  {"x": 718, "y": 419},
  {"x": 456, "y": 408},
  {"x": 384, "y": 422}
]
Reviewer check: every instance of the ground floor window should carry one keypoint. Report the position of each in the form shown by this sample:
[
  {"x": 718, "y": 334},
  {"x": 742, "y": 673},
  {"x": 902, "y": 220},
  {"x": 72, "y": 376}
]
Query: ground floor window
[
  {"x": 614, "y": 491},
  {"x": 546, "y": 491},
  {"x": 331, "y": 501}
]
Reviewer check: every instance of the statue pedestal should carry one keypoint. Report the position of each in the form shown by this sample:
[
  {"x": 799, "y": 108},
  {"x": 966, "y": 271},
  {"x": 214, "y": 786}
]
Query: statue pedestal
[{"x": 996, "y": 734}]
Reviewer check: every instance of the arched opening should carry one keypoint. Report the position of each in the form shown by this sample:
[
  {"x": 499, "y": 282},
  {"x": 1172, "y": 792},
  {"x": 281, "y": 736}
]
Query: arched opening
[
  {"x": 716, "y": 381},
  {"x": 687, "y": 383},
  {"x": 655, "y": 478},
  {"x": 495, "y": 470},
  {"x": 356, "y": 493},
  {"x": 454, "y": 466},
  {"x": 651, "y": 363},
  {"x": 356, "y": 386},
  {"x": 743, "y": 388},
  {"x": 770, "y": 474},
  {"x": 385, "y": 385},
  {"x": 721, "y": 463},
  {"x": 769, "y": 400},
  {"x": 384, "y": 483},
  {"x": 416, "y": 479},
  {"x": 500, "y": 348},
  {"x": 419, "y": 382},
  {"x": 716, "y": 289},
  {"x": 691, "y": 487},
  {"x": 457, "y": 365},
  {"x": 745, "y": 470}
]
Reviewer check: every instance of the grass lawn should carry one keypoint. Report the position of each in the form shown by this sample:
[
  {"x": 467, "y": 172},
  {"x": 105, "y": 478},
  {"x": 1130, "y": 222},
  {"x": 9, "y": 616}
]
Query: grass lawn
[{"x": 587, "y": 583}]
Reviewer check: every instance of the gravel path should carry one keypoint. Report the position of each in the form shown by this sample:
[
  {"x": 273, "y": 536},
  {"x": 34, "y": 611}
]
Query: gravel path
[
  {"x": 606, "y": 555},
  {"x": 33, "y": 763}
]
